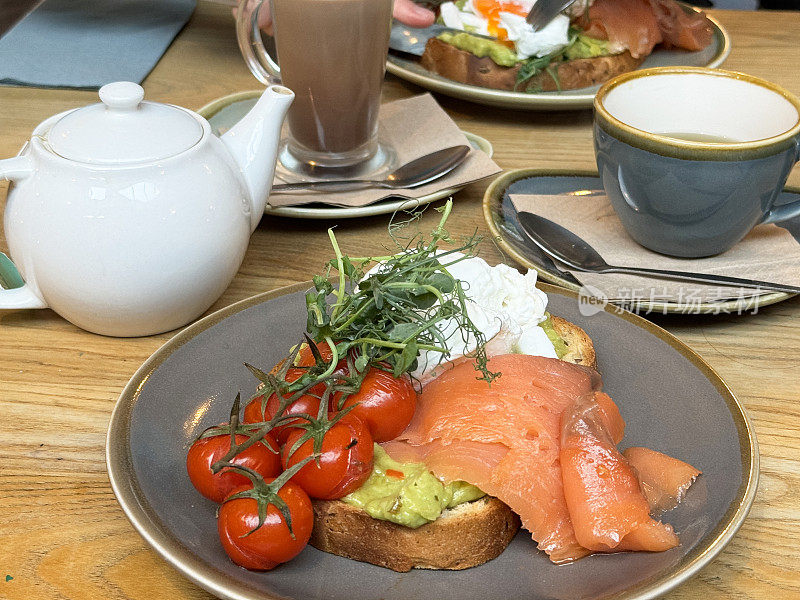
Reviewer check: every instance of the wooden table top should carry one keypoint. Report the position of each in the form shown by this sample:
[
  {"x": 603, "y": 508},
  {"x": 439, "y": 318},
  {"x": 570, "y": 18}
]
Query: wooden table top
[{"x": 62, "y": 533}]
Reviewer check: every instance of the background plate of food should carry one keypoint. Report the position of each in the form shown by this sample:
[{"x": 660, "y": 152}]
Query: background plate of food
[
  {"x": 672, "y": 401},
  {"x": 578, "y": 55}
]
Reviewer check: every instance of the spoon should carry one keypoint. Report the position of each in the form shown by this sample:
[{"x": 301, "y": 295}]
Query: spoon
[
  {"x": 566, "y": 247},
  {"x": 413, "y": 174}
]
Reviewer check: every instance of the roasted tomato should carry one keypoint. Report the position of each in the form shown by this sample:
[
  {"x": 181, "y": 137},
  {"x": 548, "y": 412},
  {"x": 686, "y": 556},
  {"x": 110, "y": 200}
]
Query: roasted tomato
[
  {"x": 345, "y": 460},
  {"x": 262, "y": 457},
  {"x": 384, "y": 402},
  {"x": 270, "y": 544},
  {"x": 305, "y": 404}
]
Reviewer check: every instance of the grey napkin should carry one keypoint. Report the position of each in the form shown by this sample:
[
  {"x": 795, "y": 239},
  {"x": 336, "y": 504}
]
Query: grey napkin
[{"x": 88, "y": 43}]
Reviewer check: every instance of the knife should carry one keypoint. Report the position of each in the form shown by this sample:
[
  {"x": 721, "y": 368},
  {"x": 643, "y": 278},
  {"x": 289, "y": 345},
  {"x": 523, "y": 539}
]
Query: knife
[{"x": 412, "y": 40}]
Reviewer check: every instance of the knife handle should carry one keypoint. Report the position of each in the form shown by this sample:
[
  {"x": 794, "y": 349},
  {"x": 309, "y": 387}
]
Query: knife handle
[{"x": 705, "y": 278}]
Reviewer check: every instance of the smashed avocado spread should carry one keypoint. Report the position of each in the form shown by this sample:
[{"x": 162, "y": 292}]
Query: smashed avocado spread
[
  {"x": 558, "y": 343},
  {"x": 407, "y": 493},
  {"x": 481, "y": 47},
  {"x": 587, "y": 47}
]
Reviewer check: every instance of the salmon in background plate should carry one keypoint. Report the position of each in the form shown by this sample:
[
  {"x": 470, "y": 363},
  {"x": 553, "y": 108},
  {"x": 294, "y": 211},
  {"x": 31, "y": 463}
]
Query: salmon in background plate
[{"x": 639, "y": 25}]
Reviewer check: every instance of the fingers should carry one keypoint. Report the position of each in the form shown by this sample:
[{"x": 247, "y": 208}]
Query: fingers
[
  {"x": 264, "y": 17},
  {"x": 412, "y": 15},
  {"x": 405, "y": 11}
]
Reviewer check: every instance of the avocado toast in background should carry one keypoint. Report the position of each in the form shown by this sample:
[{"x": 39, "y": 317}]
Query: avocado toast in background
[{"x": 588, "y": 44}]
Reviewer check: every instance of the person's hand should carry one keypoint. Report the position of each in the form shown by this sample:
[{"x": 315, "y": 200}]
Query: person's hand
[
  {"x": 405, "y": 11},
  {"x": 412, "y": 14}
]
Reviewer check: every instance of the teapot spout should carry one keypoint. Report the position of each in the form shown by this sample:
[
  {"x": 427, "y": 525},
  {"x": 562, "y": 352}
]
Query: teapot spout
[{"x": 253, "y": 142}]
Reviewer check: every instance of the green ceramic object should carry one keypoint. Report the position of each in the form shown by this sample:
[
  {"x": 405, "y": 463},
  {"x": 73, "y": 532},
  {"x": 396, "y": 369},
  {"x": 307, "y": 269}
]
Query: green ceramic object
[{"x": 9, "y": 276}]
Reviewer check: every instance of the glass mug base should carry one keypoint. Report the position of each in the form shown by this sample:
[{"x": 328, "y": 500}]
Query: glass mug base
[{"x": 294, "y": 166}]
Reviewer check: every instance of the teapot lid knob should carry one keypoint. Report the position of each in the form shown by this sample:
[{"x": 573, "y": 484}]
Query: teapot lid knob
[{"x": 122, "y": 95}]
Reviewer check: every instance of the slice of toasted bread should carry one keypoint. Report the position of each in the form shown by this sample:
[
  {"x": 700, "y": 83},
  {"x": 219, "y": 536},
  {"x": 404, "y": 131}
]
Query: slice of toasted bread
[
  {"x": 579, "y": 345},
  {"x": 462, "y": 66},
  {"x": 464, "y": 536}
]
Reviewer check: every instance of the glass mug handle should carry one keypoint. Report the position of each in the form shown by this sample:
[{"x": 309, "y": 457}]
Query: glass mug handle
[{"x": 248, "y": 34}]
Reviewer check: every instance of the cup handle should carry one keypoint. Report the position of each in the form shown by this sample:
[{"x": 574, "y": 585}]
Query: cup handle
[
  {"x": 789, "y": 210},
  {"x": 14, "y": 292},
  {"x": 248, "y": 35}
]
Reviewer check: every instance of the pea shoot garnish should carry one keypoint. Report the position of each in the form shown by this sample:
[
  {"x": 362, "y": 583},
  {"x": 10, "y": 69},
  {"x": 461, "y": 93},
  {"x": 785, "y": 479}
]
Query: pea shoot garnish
[{"x": 387, "y": 316}]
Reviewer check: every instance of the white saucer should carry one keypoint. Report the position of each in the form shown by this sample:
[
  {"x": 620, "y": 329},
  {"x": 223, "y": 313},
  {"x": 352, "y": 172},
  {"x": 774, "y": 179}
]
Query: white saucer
[{"x": 225, "y": 112}]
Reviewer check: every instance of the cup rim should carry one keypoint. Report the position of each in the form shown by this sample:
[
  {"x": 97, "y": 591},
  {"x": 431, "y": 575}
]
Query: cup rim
[{"x": 695, "y": 149}]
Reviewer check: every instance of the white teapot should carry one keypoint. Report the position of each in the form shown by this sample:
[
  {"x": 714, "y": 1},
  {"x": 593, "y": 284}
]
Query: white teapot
[{"x": 131, "y": 218}]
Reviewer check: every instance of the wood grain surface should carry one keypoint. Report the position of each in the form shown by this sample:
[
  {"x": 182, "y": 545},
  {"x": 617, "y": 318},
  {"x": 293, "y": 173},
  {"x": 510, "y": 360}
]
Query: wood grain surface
[{"x": 62, "y": 533}]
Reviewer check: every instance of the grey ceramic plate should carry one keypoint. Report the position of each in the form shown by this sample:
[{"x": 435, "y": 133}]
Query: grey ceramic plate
[
  {"x": 501, "y": 217},
  {"x": 409, "y": 69},
  {"x": 672, "y": 401},
  {"x": 225, "y": 112}
]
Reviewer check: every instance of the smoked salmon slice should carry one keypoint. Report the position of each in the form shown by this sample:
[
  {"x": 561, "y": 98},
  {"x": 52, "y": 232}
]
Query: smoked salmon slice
[
  {"x": 690, "y": 31},
  {"x": 612, "y": 419},
  {"x": 606, "y": 504},
  {"x": 663, "y": 479},
  {"x": 638, "y": 25},
  {"x": 543, "y": 439},
  {"x": 627, "y": 24},
  {"x": 504, "y": 438}
]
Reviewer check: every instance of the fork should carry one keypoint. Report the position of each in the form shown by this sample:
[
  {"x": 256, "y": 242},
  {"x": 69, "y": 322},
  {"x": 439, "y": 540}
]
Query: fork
[{"x": 544, "y": 11}]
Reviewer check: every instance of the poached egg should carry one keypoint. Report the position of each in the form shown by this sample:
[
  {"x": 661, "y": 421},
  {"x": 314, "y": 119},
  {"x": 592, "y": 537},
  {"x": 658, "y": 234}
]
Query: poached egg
[
  {"x": 505, "y": 20},
  {"x": 505, "y": 305}
]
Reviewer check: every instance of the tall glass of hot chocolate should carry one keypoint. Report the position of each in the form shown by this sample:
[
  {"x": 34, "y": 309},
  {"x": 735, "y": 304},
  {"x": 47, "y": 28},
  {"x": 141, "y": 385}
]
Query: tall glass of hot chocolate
[{"x": 332, "y": 54}]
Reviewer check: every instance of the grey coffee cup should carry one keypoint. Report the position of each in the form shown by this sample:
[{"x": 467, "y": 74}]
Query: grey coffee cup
[{"x": 692, "y": 158}]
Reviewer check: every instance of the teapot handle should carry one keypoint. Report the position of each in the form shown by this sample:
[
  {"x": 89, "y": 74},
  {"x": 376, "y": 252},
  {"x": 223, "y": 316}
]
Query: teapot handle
[
  {"x": 258, "y": 60},
  {"x": 14, "y": 292}
]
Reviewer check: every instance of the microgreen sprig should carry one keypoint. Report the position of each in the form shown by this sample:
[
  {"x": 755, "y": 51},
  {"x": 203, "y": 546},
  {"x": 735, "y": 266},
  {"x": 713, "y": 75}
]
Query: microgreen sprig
[{"x": 395, "y": 312}]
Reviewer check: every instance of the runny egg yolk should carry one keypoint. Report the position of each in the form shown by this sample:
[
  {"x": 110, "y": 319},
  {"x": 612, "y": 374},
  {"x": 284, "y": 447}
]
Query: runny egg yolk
[{"x": 491, "y": 9}]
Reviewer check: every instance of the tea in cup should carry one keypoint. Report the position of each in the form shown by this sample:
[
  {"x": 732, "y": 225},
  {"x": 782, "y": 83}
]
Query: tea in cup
[
  {"x": 332, "y": 54},
  {"x": 693, "y": 158}
]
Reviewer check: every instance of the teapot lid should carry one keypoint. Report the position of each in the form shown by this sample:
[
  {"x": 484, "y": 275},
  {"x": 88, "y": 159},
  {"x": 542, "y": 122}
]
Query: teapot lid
[{"x": 123, "y": 129}]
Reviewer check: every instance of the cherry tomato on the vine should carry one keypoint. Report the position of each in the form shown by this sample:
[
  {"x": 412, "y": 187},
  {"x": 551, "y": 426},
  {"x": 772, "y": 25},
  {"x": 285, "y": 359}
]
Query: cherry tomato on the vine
[
  {"x": 295, "y": 373},
  {"x": 305, "y": 404},
  {"x": 272, "y": 543},
  {"x": 305, "y": 357},
  {"x": 384, "y": 402},
  {"x": 345, "y": 460},
  {"x": 205, "y": 452}
]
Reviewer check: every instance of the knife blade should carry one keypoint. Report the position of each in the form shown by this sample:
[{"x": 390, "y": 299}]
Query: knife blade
[{"x": 412, "y": 40}]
